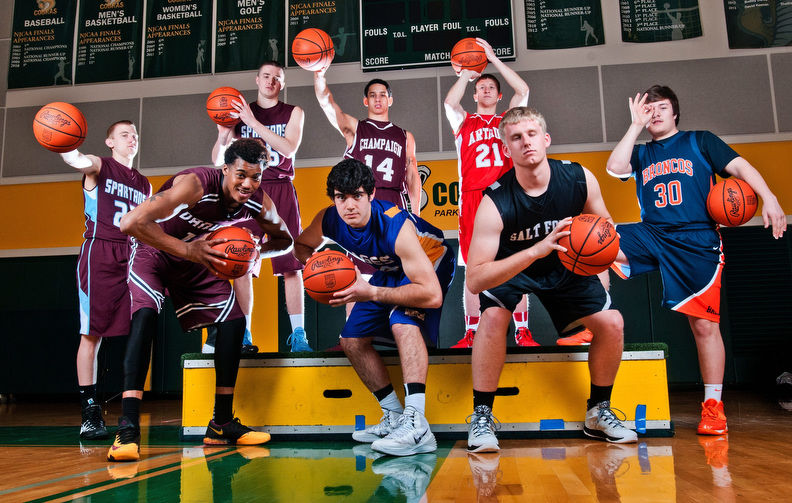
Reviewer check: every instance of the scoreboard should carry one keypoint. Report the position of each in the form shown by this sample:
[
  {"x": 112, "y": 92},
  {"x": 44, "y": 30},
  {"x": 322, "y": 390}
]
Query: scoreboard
[{"x": 416, "y": 33}]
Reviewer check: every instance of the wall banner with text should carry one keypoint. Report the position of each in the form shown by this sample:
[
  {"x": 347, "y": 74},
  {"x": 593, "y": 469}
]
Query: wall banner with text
[
  {"x": 338, "y": 18},
  {"x": 561, "y": 24},
  {"x": 178, "y": 35},
  {"x": 108, "y": 40},
  {"x": 754, "y": 24},
  {"x": 249, "y": 32},
  {"x": 42, "y": 39},
  {"x": 659, "y": 20}
]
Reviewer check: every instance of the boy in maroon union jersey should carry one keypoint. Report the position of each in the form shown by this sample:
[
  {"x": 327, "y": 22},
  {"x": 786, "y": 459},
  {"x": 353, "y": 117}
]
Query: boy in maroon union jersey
[
  {"x": 172, "y": 255},
  {"x": 111, "y": 187}
]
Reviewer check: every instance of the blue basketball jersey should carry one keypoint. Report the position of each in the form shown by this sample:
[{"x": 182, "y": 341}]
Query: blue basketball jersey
[{"x": 673, "y": 177}]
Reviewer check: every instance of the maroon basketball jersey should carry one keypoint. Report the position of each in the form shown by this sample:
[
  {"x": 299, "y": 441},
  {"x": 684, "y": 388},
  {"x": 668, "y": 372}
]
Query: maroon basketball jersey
[
  {"x": 275, "y": 118},
  {"x": 382, "y": 146},
  {"x": 210, "y": 212},
  {"x": 118, "y": 190}
]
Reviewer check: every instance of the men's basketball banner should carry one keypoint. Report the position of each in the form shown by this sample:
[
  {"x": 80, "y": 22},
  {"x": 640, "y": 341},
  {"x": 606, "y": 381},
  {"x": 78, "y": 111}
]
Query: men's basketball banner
[
  {"x": 108, "y": 40},
  {"x": 42, "y": 39},
  {"x": 248, "y": 33},
  {"x": 751, "y": 24},
  {"x": 659, "y": 20},
  {"x": 338, "y": 18},
  {"x": 177, "y": 38},
  {"x": 561, "y": 24}
]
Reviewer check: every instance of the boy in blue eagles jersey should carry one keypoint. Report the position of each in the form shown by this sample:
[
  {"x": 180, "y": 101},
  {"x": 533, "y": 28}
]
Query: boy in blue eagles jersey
[
  {"x": 674, "y": 173},
  {"x": 414, "y": 268}
]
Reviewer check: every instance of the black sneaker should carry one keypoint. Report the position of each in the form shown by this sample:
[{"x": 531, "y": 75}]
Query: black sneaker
[
  {"x": 126, "y": 446},
  {"x": 249, "y": 349},
  {"x": 93, "y": 425},
  {"x": 233, "y": 432}
]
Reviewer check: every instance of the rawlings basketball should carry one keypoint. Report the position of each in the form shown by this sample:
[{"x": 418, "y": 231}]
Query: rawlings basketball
[
  {"x": 731, "y": 202},
  {"x": 240, "y": 250},
  {"x": 59, "y": 127},
  {"x": 327, "y": 272},
  {"x": 219, "y": 108},
  {"x": 592, "y": 245},
  {"x": 312, "y": 49},
  {"x": 468, "y": 55}
]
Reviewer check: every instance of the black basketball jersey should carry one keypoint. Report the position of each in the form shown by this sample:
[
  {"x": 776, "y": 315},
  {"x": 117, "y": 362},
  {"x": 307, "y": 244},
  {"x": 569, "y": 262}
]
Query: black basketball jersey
[{"x": 527, "y": 220}]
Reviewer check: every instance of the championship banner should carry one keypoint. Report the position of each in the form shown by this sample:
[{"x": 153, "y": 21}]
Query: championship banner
[
  {"x": 659, "y": 20},
  {"x": 178, "y": 33},
  {"x": 753, "y": 24},
  {"x": 555, "y": 24},
  {"x": 108, "y": 40},
  {"x": 42, "y": 39},
  {"x": 338, "y": 18},
  {"x": 249, "y": 32}
]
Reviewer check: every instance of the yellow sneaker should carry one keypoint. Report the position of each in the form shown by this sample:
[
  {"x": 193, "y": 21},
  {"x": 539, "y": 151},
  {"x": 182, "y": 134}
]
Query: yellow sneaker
[
  {"x": 233, "y": 432},
  {"x": 126, "y": 446}
]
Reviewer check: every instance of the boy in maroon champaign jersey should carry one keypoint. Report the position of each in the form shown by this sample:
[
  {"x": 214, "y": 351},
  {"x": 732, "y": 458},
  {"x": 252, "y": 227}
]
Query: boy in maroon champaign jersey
[
  {"x": 173, "y": 255},
  {"x": 111, "y": 187}
]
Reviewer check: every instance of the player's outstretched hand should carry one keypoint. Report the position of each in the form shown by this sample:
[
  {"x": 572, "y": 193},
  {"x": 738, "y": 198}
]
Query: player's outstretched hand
[
  {"x": 640, "y": 112},
  {"x": 360, "y": 291},
  {"x": 468, "y": 74},
  {"x": 550, "y": 243},
  {"x": 488, "y": 50},
  {"x": 773, "y": 215},
  {"x": 201, "y": 251}
]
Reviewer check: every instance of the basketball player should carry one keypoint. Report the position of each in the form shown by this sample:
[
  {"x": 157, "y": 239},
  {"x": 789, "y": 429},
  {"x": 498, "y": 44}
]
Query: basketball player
[
  {"x": 280, "y": 125},
  {"x": 111, "y": 187},
  {"x": 172, "y": 255},
  {"x": 402, "y": 303},
  {"x": 513, "y": 252},
  {"x": 481, "y": 162},
  {"x": 676, "y": 234}
]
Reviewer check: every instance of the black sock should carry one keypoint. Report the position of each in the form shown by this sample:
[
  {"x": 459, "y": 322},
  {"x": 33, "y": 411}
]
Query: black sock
[
  {"x": 224, "y": 411},
  {"x": 483, "y": 398},
  {"x": 130, "y": 407},
  {"x": 87, "y": 395},
  {"x": 382, "y": 393},
  {"x": 599, "y": 394},
  {"x": 411, "y": 388}
]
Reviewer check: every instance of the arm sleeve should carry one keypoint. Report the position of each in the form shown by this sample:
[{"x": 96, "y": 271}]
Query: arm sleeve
[{"x": 715, "y": 151}]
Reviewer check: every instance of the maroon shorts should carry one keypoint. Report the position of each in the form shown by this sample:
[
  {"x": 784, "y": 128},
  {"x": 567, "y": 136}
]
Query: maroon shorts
[
  {"x": 200, "y": 298},
  {"x": 102, "y": 288}
]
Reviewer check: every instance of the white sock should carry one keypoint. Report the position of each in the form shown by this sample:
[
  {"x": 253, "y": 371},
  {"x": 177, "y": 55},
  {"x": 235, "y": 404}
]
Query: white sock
[
  {"x": 297, "y": 321},
  {"x": 391, "y": 402},
  {"x": 418, "y": 401},
  {"x": 713, "y": 391}
]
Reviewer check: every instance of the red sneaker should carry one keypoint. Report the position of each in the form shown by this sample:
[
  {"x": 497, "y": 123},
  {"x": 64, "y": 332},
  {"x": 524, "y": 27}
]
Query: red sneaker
[
  {"x": 523, "y": 338},
  {"x": 713, "y": 419},
  {"x": 466, "y": 341},
  {"x": 582, "y": 338}
]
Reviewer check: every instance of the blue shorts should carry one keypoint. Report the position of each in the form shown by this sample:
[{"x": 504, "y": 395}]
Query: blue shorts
[
  {"x": 690, "y": 264},
  {"x": 374, "y": 319}
]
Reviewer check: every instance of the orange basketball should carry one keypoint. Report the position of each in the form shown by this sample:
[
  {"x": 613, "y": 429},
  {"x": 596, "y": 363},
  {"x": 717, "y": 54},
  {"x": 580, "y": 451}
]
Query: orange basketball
[
  {"x": 312, "y": 49},
  {"x": 240, "y": 248},
  {"x": 59, "y": 127},
  {"x": 731, "y": 202},
  {"x": 468, "y": 55},
  {"x": 327, "y": 272},
  {"x": 592, "y": 245},
  {"x": 218, "y": 106}
]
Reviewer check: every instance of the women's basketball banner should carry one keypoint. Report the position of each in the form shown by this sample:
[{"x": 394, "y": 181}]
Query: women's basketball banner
[
  {"x": 42, "y": 39},
  {"x": 753, "y": 24},
  {"x": 561, "y": 24},
  {"x": 659, "y": 20},
  {"x": 108, "y": 40},
  {"x": 177, "y": 38},
  {"x": 337, "y": 18},
  {"x": 249, "y": 32}
]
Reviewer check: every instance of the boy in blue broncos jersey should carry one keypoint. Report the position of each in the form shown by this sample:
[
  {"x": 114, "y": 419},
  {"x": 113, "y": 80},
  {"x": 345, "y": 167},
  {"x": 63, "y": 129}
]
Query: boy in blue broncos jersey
[
  {"x": 414, "y": 268},
  {"x": 674, "y": 173}
]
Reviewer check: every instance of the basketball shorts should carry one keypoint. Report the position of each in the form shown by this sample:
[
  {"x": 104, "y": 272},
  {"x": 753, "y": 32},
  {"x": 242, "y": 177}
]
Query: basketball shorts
[
  {"x": 383, "y": 194},
  {"x": 690, "y": 264},
  {"x": 469, "y": 202},
  {"x": 102, "y": 288},
  {"x": 567, "y": 297},
  {"x": 200, "y": 298},
  {"x": 284, "y": 196},
  {"x": 374, "y": 319}
]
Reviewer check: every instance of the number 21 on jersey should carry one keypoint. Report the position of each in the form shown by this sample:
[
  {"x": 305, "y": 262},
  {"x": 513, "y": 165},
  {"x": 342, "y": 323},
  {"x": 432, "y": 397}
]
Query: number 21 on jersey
[{"x": 483, "y": 159}]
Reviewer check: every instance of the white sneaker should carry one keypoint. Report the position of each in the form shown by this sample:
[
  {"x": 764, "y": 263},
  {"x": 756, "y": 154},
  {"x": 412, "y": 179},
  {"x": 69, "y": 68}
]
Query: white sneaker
[
  {"x": 387, "y": 424},
  {"x": 411, "y": 436},
  {"x": 602, "y": 424},
  {"x": 481, "y": 432}
]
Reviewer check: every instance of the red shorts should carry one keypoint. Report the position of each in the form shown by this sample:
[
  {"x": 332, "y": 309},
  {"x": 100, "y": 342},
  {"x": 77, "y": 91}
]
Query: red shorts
[{"x": 468, "y": 206}]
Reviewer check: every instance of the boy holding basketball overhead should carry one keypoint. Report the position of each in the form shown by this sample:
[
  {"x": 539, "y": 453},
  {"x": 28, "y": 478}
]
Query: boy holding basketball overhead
[
  {"x": 280, "y": 125},
  {"x": 513, "y": 252},
  {"x": 173, "y": 255},
  {"x": 402, "y": 303},
  {"x": 111, "y": 187},
  {"x": 674, "y": 173}
]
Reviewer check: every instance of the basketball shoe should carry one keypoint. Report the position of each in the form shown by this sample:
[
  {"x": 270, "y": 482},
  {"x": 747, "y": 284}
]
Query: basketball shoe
[
  {"x": 582, "y": 338},
  {"x": 93, "y": 425},
  {"x": 466, "y": 341},
  {"x": 523, "y": 338},
  {"x": 484, "y": 467},
  {"x": 233, "y": 432},
  {"x": 388, "y": 423},
  {"x": 126, "y": 446},
  {"x": 481, "y": 432},
  {"x": 411, "y": 436},
  {"x": 713, "y": 419},
  {"x": 602, "y": 424},
  {"x": 298, "y": 340}
]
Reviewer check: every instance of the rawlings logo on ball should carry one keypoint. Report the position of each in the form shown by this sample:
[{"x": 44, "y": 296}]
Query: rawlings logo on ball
[
  {"x": 233, "y": 249},
  {"x": 603, "y": 233},
  {"x": 326, "y": 262},
  {"x": 54, "y": 119}
]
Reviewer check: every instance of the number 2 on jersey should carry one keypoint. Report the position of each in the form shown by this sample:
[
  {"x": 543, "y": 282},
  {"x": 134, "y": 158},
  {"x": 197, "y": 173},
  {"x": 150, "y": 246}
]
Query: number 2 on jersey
[
  {"x": 483, "y": 157},
  {"x": 668, "y": 193},
  {"x": 385, "y": 167}
]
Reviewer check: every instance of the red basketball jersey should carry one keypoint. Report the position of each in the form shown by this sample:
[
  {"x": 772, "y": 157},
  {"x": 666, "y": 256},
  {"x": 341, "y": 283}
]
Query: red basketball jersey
[{"x": 480, "y": 152}]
